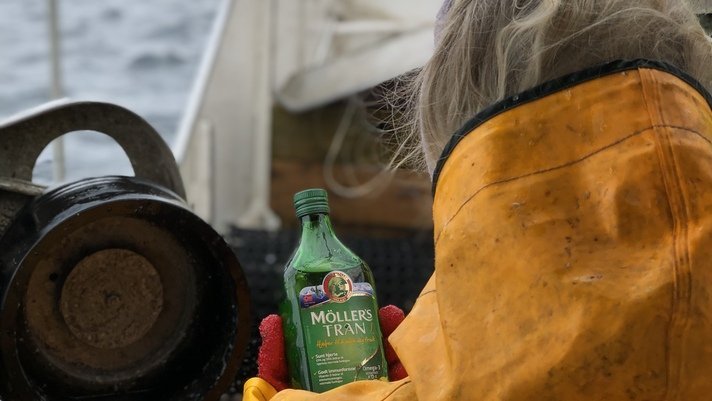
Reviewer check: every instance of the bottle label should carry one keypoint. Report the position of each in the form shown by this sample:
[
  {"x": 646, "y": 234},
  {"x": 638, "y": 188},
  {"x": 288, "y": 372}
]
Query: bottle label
[{"x": 341, "y": 332}]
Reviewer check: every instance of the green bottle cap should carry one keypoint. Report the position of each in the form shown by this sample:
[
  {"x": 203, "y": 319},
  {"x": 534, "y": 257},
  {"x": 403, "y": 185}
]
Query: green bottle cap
[{"x": 311, "y": 201}]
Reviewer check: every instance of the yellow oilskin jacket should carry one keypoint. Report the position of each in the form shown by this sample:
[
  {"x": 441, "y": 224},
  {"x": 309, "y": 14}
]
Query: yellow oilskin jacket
[{"x": 573, "y": 235}]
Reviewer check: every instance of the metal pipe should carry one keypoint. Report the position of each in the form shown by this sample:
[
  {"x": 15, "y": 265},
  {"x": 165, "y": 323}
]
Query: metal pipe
[
  {"x": 376, "y": 26},
  {"x": 58, "y": 160}
]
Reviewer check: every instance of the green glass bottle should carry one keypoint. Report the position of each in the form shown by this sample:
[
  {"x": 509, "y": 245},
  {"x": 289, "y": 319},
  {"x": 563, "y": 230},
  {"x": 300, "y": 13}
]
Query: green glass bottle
[{"x": 329, "y": 310}]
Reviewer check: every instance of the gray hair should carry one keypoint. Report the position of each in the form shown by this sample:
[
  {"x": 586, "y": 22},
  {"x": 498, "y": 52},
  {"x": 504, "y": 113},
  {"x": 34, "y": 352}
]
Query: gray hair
[{"x": 487, "y": 50}]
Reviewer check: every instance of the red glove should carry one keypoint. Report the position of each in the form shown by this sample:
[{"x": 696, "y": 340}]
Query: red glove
[
  {"x": 272, "y": 361},
  {"x": 390, "y": 317}
]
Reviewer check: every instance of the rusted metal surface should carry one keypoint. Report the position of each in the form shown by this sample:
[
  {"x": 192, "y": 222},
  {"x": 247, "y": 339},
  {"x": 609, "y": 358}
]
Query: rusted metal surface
[
  {"x": 14, "y": 194},
  {"x": 22, "y": 140},
  {"x": 20, "y": 187},
  {"x": 110, "y": 288},
  {"x": 117, "y": 313},
  {"x": 118, "y": 291},
  {"x": 10, "y": 203},
  {"x": 111, "y": 298}
]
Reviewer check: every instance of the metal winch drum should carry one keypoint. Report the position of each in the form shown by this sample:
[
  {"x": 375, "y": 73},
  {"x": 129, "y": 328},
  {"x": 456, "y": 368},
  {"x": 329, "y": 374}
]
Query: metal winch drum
[{"x": 110, "y": 288}]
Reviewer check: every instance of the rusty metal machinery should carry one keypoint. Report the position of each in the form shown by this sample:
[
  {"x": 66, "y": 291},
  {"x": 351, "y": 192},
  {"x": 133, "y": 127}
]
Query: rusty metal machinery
[{"x": 110, "y": 288}]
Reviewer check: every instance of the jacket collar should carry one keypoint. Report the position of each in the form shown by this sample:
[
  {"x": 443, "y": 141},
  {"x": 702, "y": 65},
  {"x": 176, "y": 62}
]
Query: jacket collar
[
  {"x": 565, "y": 123},
  {"x": 556, "y": 86}
]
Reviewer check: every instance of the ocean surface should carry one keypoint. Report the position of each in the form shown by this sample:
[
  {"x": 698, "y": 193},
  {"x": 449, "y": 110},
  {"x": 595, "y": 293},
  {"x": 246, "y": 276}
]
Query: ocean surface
[{"x": 140, "y": 54}]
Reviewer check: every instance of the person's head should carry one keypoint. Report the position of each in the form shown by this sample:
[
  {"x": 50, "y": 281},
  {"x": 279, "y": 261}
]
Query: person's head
[{"x": 487, "y": 50}]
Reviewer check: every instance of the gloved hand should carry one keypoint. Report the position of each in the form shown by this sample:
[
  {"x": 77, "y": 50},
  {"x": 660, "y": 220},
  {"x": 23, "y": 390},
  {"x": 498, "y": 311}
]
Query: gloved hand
[
  {"x": 390, "y": 317},
  {"x": 272, "y": 361}
]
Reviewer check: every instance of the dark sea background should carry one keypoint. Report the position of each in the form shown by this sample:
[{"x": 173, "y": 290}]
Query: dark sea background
[{"x": 140, "y": 54}]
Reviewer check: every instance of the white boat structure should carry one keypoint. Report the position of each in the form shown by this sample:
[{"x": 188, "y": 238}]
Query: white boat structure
[{"x": 300, "y": 55}]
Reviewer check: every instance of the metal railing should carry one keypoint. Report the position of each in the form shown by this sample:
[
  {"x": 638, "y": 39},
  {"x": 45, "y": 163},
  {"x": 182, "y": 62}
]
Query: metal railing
[
  {"x": 59, "y": 168},
  {"x": 191, "y": 113}
]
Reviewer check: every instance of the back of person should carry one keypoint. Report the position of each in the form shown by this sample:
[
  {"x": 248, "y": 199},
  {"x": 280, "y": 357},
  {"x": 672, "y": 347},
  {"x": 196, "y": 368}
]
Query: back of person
[
  {"x": 573, "y": 242},
  {"x": 570, "y": 145}
]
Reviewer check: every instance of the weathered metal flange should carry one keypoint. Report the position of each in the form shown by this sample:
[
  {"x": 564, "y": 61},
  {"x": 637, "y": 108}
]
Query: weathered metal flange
[
  {"x": 113, "y": 287},
  {"x": 23, "y": 139},
  {"x": 110, "y": 288}
]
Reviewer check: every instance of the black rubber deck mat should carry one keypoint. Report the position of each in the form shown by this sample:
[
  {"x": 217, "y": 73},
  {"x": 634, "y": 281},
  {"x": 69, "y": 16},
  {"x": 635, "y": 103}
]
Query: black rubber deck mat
[{"x": 401, "y": 267}]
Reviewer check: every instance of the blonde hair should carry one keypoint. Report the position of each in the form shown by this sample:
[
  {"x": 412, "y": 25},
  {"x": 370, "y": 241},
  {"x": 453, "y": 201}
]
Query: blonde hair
[{"x": 488, "y": 50}]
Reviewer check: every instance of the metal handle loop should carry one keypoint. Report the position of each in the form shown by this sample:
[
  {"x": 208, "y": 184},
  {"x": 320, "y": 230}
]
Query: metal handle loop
[{"x": 22, "y": 141}]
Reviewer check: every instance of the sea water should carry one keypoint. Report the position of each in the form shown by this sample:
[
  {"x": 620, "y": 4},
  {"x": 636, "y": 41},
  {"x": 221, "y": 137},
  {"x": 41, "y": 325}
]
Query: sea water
[{"x": 140, "y": 54}]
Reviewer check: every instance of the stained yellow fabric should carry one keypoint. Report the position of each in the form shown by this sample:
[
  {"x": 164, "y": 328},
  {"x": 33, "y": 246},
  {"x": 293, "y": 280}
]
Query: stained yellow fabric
[
  {"x": 573, "y": 254},
  {"x": 257, "y": 389}
]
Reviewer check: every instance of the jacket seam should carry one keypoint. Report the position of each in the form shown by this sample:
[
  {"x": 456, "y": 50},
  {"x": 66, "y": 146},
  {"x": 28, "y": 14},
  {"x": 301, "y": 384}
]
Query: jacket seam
[
  {"x": 259, "y": 390},
  {"x": 680, "y": 253},
  {"x": 396, "y": 389}
]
